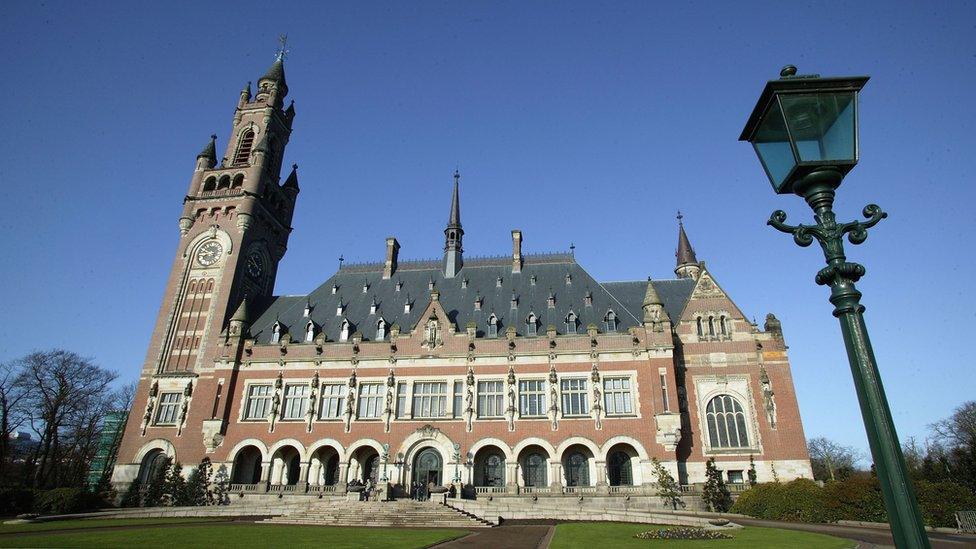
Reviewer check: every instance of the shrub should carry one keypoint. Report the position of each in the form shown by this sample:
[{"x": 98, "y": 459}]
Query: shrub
[
  {"x": 62, "y": 501},
  {"x": 15, "y": 500},
  {"x": 940, "y": 501},
  {"x": 798, "y": 501},
  {"x": 854, "y": 499},
  {"x": 133, "y": 495}
]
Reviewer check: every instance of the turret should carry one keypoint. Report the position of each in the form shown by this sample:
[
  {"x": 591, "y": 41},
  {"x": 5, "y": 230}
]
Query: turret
[
  {"x": 207, "y": 158},
  {"x": 654, "y": 313},
  {"x": 272, "y": 88},
  {"x": 687, "y": 264},
  {"x": 453, "y": 234}
]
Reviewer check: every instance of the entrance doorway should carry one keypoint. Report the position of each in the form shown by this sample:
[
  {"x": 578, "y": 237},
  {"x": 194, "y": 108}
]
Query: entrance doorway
[{"x": 427, "y": 467}]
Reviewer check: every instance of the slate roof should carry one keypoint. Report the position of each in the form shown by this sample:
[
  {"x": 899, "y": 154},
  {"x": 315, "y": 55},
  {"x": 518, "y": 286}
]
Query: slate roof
[{"x": 549, "y": 272}]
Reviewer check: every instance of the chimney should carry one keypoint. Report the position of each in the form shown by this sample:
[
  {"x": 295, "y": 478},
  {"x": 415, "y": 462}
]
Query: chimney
[
  {"x": 392, "y": 250},
  {"x": 516, "y": 251}
]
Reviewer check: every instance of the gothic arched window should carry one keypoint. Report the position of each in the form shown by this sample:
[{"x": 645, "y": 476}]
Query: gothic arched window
[
  {"x": 571, "y": 323},
  {"x": 210, "y": 184},
  {"x": 611, "y": 320},
  {"x": 276, "y": 332},
  {"x": 534, "y": 470},
  {"x": 701, "y": 333},
  {"x": 380, "y": 330},
  {"x": 531, "y": 326},
  {"x": 722, "y": 326},
  {"x": 492, "y": 326},
  {"x": 310, "y": 331},
  {"x": 244, "y": 145},
  {"x": 711, "y": 326},
  {"x": 726, "y": 423},
  {"x": 344, "y": 330}
]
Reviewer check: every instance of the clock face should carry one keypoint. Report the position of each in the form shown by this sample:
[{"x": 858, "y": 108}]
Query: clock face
[
  {"x": 209, "y": 253},
  {"x": 253, "y": 265}
]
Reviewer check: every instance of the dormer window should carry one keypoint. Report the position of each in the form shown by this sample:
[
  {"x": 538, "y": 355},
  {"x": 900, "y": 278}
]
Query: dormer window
[
  {"x": 339, "y": 309},
  {"x": 571, "y": 323},
  {"x": 244, "y": 145},
  {"x": 514, "y": 301},
  {"x": 308, "y": 310},
  {"x": 380, "y": 330},
  {"x": 531, "y": 325},
  {"x": 611, "y": 320},
  {"x": 344, "y": 330},
  {"x": 365, "y": 287},
  {"x": 335, "y": 288},
  {"x": 430, "y": 284},
  {"x": 399, "y": 285},
  {"x": 477, "y": 303},
  {"x": 310, "y": 331},
  {"x": 588, "y": 299},
  {"x": 492, "y": 326},
  {"x": 406, "y": 307},
  {"x": 569, "y": 279},
  {"x": 276, "y": 332},
  {"x": 464, "y": 283},
  {"x": 532, "y": 280},
  {"x": 372, "y": 307},
  {"x": 498, "y": 282},
  {"x": 551, "y": 301}
]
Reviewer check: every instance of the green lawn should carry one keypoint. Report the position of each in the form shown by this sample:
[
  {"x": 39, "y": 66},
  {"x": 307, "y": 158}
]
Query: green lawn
[
  {"x": 621, "y": 535},
  {"x": 207, "y": 536},
  {"x": 95, "y": 523}
]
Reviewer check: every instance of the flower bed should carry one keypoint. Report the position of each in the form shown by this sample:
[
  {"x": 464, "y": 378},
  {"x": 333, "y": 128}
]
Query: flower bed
[{"x": 681, "y": 533}]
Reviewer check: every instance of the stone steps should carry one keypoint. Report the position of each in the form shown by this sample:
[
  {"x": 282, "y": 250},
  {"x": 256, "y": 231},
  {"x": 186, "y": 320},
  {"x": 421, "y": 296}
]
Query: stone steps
[{"x": 383, "y": 514}]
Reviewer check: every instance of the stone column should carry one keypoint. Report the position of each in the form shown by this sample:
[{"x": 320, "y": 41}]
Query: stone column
[
  {"x": 556, "y": 477},
  {"x": 511, "y": 477},
  {"x": 303, "y": 476},
  {"x": 265, "y": 475},
  {"x": 343, "y": 479},
  {"x": 601, "y": 476}
]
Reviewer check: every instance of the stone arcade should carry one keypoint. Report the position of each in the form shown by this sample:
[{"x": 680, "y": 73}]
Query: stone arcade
[{"x": 512, "y": 375}]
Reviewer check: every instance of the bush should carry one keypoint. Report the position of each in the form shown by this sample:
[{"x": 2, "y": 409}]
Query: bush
[
  {"x": 797, "y": 501},
  {"x": 15, "y": 500},
  {"x": 940, "y": 501},
  {"x": 61, "y": 501},
  {"x": 854, "y": 499}
]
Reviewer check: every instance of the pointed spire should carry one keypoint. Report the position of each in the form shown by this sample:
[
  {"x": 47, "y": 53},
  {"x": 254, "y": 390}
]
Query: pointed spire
[
  {"x": 241, "y": 314},
  {"x": 210, "y": 150},
  {"x": 276, "y": 73},
  {"x": 650, "y": 296},
  {"x": 687, "y": 264},
  {"x": 246, "y": 92},
  {"x": 292, "y": 181},
  {"x": 455, "y": 218}
]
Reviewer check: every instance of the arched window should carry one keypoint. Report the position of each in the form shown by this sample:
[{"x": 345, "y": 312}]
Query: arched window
[
  {"x": 493, "y": 326},
  {"x": 619, "y": 469},
  {"x": 711, "y": 326},
  {"x": 611, "y": 320},
  {"x": 224, "y": 182},
  {"x": 571, "y": 323},
  {"x": 210, "y": 184},
  {"x": 310, "y": 331},
  {"x": 726, "y": 423},
  {"x": 380, "y": 330},
  {"x": 152, "y": 464},
  {"x": 577, "y": 470},
  {"x": 244, "y": 145},
  {"x": 276, "y": 332},
  {"x": 238, "y": 181},
  {"x": 494, "y": 471},
  {"x": 700, "y": 332},
  {"x": 344, "y": 330},
  {"x": 531, "y": 326},
  {"x": 534, "y": 470},
  {"x": 722, "y": 326}
]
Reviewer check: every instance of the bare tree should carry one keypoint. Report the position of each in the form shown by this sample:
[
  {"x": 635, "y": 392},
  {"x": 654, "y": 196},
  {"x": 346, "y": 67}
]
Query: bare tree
[
  {"x": 67, "y": 397},
  {"x": 12, "y": 411},
  {"x": 829, "y": 458},
  {"x": 959, "y": 429}
]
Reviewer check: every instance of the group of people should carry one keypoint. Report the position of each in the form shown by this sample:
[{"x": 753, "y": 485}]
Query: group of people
[
  {"x": 368, "y": 492},
  {"x": 420, "y": 491}
]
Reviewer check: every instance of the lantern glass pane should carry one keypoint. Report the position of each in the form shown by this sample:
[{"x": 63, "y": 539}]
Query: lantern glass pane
[
  {"x": 772, "y": 144},
  {"x": 822, "y": 125}
]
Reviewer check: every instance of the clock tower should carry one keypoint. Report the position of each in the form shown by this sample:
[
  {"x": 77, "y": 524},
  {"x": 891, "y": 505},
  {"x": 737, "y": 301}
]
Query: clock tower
[{"x": 233, "y": 230}]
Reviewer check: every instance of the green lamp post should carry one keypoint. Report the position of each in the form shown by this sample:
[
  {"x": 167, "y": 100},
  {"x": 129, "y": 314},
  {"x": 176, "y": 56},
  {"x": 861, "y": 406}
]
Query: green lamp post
[{"x": 804, "y": 130}]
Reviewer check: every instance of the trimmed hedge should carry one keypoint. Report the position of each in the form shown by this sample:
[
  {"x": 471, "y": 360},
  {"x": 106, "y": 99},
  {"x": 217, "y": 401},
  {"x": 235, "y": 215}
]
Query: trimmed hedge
[
  {"x": 859, "y": 499},
  {"x": 59, "y": 501},
  {"x": 15, "y": 500}
]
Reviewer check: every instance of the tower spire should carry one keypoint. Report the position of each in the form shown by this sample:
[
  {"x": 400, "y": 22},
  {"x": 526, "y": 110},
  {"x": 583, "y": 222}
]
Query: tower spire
[
  {"x": 453, "y": 234},
  {"x": 687, "y": 263}
]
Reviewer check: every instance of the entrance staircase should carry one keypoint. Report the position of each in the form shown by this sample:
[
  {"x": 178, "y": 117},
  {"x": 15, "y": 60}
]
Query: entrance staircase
[{"x": 398, "y": 514}]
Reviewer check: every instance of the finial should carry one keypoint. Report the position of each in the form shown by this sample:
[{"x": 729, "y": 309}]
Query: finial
[
  {"x": 341, "y": 259},
  {"x": 294, "y": 166},
  {"x": 213, "y": 137},
  {"x": 572, "y": 248},
  {"x": 787, "y": 71},
  {"x": 282, "y": 49},
  {"x": 680, "y": 217},
  {"x": 457, "y": 175}
]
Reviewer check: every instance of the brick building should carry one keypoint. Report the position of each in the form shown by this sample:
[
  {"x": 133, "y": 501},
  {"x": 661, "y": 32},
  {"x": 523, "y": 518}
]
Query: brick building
[{"x": 515, "y": 374}]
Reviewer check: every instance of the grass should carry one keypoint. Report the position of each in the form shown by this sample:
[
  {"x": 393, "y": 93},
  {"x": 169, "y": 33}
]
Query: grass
[
  {"x": 96, "y": 523},
  {"x": 207, "y": 536},
  {"x": 621, "y": 536}
]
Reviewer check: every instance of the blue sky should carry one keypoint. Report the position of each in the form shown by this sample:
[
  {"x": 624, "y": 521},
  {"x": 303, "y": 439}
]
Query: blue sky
[{"x": 589, "y": 123}]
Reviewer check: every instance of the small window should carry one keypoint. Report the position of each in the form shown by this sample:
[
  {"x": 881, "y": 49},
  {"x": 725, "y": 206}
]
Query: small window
[
  {"x": 617, "y": 396},
  {"x": 664, "y": 393},
  {"x": 370, "y": 400},
  {"x": 458, "y": 399},
  {"x": 168, "y": 408},
  {"x": 401, "y": 402},
  {"x": 491, "y": 398},
  {"x": 698, "y": 322},
  {"x": 276, "y": 333},
  {"x": 224, "y": 182},
  {"x": 575, "y": 401},
  {"x": 380, "y": 330},
  {"x": 310, "y": 331},
  {"x": 531, "y": 326},
  {"x": 532, "y": 398},
  {"x": 571, "y": 323},
  {"x": 492, "y": 326},
  {"x": 735, "y": 477},
  {"x": 244, "y": 148},
  {"x": 711, "y": 326},
  {"x": 210, "y": 184},
  {"x": 344, "y": 331},
  {"x": 722, "y": 325},
  {"x": 238, "y": 181},
  {"x": 611, "y": 320},
  {"x": 258, "y": 403}
]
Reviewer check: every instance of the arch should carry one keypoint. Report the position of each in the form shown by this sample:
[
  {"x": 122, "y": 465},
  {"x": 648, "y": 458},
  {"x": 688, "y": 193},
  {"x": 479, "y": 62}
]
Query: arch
[
  {"x": 244, "y": 143},
  {"x": 326, "y": 442},
  {"x": 481, "y": 443},
  {"x": 265, "y": 456},
  {"x": 325, "y": 457},
  {"x": 156, "y": 444},
  {"x": 288, "y": 442},
  {"x": 698, "y": 323},
  {"x": 571, "y": 441},
  {"x": 725, "y": 420},
  {"x": 489, "y": 466},
  {"x": 238, "y": 181},
  {"x": 534, "y": 465},
  {"x": 361, "y": 443},
  {"x": 621, "y": 439},
  {"x": 151, "y": 464},
  {"x": 214, "y": 233},
  {"x": 247, "y": 465},
  {"x": 576, "y": 463},
  {"x": 210, "y": 184},
  {"x": 223, "y": 182},
  {"x": 534, "y": 441},
  {"x": 428, "y": 466},
  {"x": 611, "y": 320},
  {"x": 363, "y": 459},
  {"x": 286, "y": 463},
  {"x": 623, "y": 461}
]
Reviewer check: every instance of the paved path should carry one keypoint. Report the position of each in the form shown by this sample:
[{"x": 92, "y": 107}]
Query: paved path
[
  {"x": 866, "y": 537},
  {"x": 516, "y": 536}
]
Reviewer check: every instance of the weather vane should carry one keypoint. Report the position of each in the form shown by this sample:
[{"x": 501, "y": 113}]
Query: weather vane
[{"x": 282, "y": 49}]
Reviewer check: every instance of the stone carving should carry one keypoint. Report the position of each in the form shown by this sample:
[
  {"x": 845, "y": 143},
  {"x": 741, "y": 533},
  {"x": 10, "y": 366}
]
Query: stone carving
[{"x": 769, "y": 397}]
